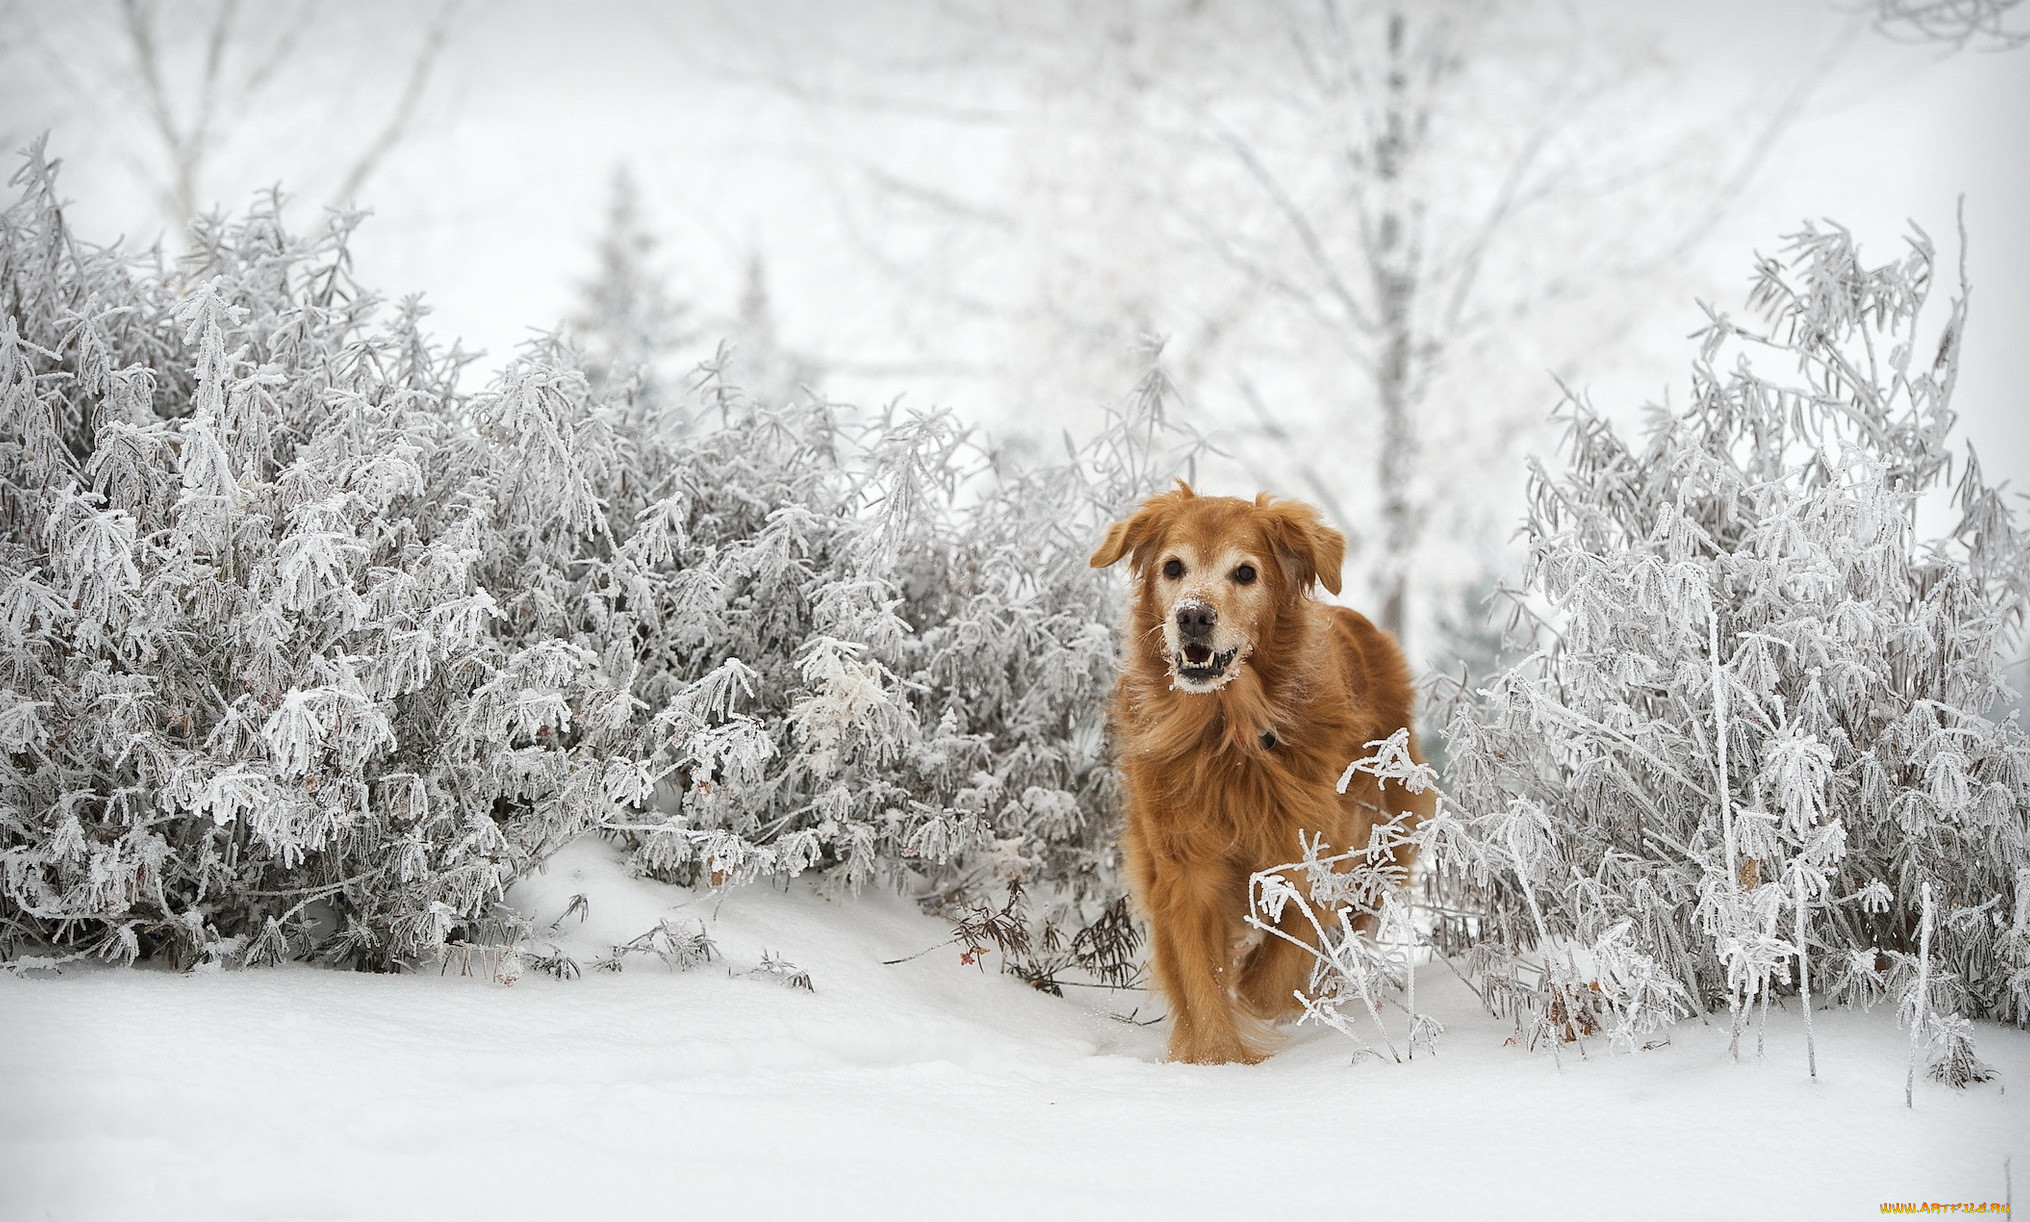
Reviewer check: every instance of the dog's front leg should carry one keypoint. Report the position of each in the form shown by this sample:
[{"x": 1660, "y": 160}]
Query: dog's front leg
[
  {"x": 1277, "y": 970},
  {"x": 1192, "y": 926}
]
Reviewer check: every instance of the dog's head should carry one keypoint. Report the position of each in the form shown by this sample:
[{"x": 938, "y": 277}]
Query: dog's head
[{"x": 1217, "y": 573}]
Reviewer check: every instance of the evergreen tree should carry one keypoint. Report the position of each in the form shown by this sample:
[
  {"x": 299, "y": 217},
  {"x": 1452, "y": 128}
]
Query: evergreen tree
[
  {"x": 628, "y": 324},
  {"x": 771, "y": 372}
]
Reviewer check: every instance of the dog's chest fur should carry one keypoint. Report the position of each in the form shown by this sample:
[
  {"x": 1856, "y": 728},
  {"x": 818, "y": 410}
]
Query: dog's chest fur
[{"x": 1237, "y": 773}]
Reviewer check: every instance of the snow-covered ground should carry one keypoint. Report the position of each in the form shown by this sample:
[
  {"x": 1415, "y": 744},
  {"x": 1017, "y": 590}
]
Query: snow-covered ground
[{"x": 926, "y": 1089}]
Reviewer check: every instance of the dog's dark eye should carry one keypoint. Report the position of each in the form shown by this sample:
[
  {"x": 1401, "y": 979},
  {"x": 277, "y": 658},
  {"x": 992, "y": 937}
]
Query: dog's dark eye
[
  {"x": 1173, "y": 569},
  {"x": 1245, "y": 574}
]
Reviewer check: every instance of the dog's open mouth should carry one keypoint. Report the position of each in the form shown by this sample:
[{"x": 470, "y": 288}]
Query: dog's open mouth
[{"x": 1199, "y": 664}]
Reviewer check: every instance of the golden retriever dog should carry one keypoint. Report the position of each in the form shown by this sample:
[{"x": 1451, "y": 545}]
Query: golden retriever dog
[{"x": 1241, "y": 701}]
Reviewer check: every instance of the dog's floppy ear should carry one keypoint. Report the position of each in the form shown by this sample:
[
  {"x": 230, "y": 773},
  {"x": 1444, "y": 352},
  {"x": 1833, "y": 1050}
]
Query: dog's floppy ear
[
  {"x": 1138, "y": 532},
  {"x": 1310, "y": 550}
]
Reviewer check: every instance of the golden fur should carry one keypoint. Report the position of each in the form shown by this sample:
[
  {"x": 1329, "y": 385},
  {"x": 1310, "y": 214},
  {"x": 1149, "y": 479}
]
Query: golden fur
[{"x": 1223, "y": 771}]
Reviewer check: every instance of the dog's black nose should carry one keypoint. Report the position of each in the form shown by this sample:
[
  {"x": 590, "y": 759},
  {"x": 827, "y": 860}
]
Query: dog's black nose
[{"x": 1196, "y": 619}]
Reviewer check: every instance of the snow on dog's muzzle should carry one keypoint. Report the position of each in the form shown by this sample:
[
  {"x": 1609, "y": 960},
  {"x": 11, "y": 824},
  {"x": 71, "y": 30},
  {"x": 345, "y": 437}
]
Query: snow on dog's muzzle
[
  {"x": 1195, "y": 660},
  {"x": 1197, "y": 663}
]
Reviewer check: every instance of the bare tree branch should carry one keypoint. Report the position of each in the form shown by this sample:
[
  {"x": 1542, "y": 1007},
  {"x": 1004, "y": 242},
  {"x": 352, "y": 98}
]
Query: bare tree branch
[
  {"x": 942, "y": 201},
  {"x": 139, "y": 23},
  {"x": 1507, "y": 197},
  {"x": 1957, "y": 22},
  {"x": 209, "y": 81},
  {"x": 1772, "y": 128},
  {"x": 1300, "y": 224},
  {"x": 397, "y": 125},
  {"x": 1293, "y": 453}
]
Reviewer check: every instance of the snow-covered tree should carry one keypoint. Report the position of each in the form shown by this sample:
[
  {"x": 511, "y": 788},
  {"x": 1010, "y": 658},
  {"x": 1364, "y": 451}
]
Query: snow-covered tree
[
  {"x": 628, "y": 324},
  {"x": 759, "y": 360},
  {"x": 1359, "y": 218}
]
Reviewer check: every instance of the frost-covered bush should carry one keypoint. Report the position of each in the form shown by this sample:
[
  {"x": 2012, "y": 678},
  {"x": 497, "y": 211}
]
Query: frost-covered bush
[
  {"x": 1361, "y": 926},
  {"x": 250, "y": 661},
  {"x": 306, "y": 648},
  {"x": 1757, "y": 730},
  {"x": 897, "y": 662}
]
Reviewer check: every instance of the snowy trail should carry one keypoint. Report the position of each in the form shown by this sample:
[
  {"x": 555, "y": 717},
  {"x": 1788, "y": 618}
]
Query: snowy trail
[{"x": 927, "y": 1089}]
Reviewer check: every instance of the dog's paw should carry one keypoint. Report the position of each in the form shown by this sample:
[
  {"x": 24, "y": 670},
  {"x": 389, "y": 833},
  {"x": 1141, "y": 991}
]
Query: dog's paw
[{"x": 1214, "y": 1050}]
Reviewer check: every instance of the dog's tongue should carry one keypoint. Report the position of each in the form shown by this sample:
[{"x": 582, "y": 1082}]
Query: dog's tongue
[{"x": 1197, "y": 655}]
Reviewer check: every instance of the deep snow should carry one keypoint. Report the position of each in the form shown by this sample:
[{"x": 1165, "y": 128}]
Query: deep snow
[{"x": 926, "y": 1089}]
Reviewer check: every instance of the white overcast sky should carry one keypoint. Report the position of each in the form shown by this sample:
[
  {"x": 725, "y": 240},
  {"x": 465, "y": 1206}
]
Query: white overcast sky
[{"x": 491, "y": 206}]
